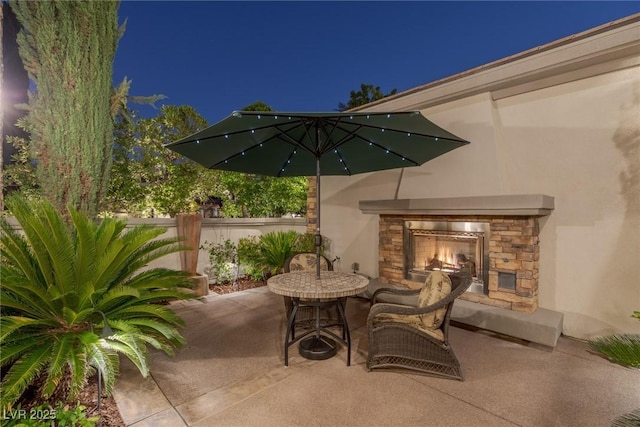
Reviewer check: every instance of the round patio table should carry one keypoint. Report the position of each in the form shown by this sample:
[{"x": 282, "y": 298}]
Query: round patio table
[{"x": 332, "y": 288}]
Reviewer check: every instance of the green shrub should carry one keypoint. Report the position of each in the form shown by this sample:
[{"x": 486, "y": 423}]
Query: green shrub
[
  {"x": 266, "y": 254},
  {"x": 62, "y": 282},
  {"x": 306, "y": 242},
  {"x": 249, "y": 257},
  {"x": 221, "y": 257},
  {"x": 275, "y": 248}
]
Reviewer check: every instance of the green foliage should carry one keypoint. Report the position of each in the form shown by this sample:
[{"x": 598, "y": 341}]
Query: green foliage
[
  {"x": 275, "y": 248},
  {"x": 257, "y": 106},
  {"x": 621, "y": 349},
  {"x": 221, "y": 257},
  {"x": 249, "y": 256},
  {"x": 148, "y": 179},
  {"x": 306, "y": 242},
  {"x": 61, "y": 283},
  {"x": 247, "y": 195},
  {"x": 631, "y": 419},
  {"x": 21, "y": 172},
  {"x": 74, "y": 416},
  {"x": 68, "y": 48},
  {"x": 266, "y": 254},
  {"x": 366, "y": 94}
]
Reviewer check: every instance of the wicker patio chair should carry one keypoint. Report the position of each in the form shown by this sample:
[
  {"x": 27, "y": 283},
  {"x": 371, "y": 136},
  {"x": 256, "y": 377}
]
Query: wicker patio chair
[
  {"x": 416, "y": 337},
  {"x": 305, "y": 316}
]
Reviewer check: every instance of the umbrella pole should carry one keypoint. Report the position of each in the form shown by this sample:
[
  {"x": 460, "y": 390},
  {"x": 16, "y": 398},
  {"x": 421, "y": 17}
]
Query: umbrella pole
[{"x": 318, "y": 240}]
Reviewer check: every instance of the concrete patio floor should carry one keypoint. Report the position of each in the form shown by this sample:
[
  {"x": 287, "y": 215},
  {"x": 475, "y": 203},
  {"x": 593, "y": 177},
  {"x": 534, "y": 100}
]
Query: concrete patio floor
[{"x": 231, "y": 373}]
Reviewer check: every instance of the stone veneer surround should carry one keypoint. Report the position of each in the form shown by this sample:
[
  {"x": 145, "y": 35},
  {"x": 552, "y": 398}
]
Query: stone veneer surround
[
  {"x": 513, "y": 240},
  {"x": 513, "y": 249}
]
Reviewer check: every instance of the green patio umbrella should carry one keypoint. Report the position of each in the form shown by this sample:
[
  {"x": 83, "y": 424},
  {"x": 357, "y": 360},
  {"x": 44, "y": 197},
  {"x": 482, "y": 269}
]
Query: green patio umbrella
[{"x": 307, "y": 144}]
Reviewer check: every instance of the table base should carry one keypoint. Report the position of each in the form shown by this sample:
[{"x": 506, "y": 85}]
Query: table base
[
  {"x": 314, "y": 343},
  {"x": 317, "y": 348}
]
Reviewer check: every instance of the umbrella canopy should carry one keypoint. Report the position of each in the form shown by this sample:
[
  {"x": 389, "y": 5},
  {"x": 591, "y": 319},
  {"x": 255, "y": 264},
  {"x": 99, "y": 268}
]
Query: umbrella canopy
[
  {"x": 289, "y": 144},
  {"x": 307, "y": 144}
]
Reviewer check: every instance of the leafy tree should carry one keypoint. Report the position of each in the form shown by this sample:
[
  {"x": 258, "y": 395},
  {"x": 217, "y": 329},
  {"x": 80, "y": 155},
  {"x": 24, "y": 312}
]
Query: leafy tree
[
  {"x": 68, "y": 48},
  {"x": 146, "y": 175},
  {"x": 262, "y": 196},
  {"x": 366, "y": 94},
  {"x": 249, "y": 195},
  {"x": 257, "y": 106},
  {"x": 62, "y": 287}
]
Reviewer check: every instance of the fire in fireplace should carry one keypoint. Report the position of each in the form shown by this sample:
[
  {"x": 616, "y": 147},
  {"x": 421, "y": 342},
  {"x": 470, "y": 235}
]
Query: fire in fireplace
[{"x": 447, "y": 246}]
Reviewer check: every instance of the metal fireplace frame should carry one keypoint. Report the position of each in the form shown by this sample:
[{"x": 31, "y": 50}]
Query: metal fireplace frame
[{"x": 482, "y": 229}]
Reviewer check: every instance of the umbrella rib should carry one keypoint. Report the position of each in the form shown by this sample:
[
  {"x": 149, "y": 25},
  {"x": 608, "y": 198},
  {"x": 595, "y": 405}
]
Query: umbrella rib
[
  {"x": 284, "y": 136},
  {"x": 260, "y": 144},
  {"x": 424, "y": 135},
  {"x": 346, "y": 168},
  {"x": 353, "y": 135},
  {"x": 228, "y": 134},
  {"x": 284, "y": 166}
]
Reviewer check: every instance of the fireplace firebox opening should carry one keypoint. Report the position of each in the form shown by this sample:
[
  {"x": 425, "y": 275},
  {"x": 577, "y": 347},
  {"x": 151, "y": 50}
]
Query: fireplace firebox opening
[{"x": 447, "y": 246}]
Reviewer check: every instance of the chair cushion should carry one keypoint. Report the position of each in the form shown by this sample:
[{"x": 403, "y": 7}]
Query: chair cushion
[
  {"x": 436, "y": 287},
  {"x": 306, "y": 262}
]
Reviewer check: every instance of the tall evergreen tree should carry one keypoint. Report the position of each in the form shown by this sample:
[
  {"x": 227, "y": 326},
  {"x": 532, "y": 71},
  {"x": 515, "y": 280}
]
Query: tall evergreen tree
[{"x": 68, "y": 48}]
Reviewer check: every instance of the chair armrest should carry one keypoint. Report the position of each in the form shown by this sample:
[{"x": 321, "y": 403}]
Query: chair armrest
[
  {"x": 409, "y": 310},
  {"x": 380, "y": 308},
  {"x": 393, "y": 291}
]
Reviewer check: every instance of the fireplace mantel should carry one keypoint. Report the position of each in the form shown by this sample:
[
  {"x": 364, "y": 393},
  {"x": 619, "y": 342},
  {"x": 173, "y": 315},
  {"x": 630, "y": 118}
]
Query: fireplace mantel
[{"x": 530, "y": 205}]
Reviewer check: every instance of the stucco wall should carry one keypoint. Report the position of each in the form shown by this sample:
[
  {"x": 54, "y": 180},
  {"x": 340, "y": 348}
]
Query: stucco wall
[
  {"x": 578, "y": 142},
  {"x": 217, "y": 230}
]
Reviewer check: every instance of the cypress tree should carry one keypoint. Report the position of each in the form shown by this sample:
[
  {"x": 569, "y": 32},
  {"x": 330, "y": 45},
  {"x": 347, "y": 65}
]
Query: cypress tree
[{"x": 68, "y": 48}]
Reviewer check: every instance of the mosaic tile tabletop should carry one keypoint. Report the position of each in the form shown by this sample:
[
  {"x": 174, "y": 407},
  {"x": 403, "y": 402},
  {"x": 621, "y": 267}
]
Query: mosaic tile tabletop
[{"x": 304, "y": 284}]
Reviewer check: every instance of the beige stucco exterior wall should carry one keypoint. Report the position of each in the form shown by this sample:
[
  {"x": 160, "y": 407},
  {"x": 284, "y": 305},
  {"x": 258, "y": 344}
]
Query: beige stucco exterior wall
[{"x": 578, "y": 141}]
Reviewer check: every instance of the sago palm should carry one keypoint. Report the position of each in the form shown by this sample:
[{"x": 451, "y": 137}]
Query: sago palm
[{"x": 60, "y": 281}]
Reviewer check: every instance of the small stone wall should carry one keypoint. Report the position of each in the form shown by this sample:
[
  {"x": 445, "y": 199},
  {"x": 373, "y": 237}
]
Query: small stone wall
[{"x": 513, "y": 258}]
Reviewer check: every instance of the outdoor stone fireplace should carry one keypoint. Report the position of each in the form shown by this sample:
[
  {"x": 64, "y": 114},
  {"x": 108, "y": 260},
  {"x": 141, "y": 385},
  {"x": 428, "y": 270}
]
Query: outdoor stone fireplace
[{"x": 494, "y": 237}]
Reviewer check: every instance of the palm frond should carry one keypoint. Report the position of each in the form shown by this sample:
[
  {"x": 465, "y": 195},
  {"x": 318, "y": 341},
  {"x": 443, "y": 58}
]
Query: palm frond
[
  {"x": 621, "y": 349},
  {"x": 49, "y": 239},
  {"x": 77, "y": 362},
  {"x": 10, "y": 324},
  {"x": 631, "y": 419},
  {"x": 59, "y": 281},
  {"x": 16, "y": 253},
  {"x": 132, "y": 348},
  {"x": 150, "y": 310},
  {"x": 13, "y": 350},
  {"x": 22, "y": 373},
  {"x": 10, "y": 301},
  {"x": 107, "y": 362},
  {"x": 57, "y": 362}
]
